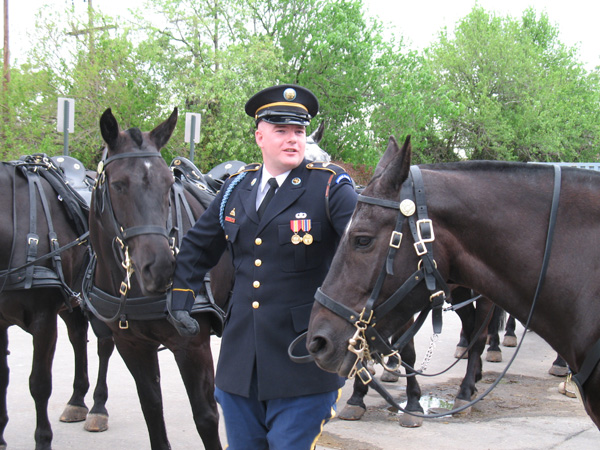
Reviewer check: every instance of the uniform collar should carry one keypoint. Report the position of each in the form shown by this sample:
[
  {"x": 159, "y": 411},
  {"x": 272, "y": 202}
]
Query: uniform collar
[{"x": 266, "y": 176}]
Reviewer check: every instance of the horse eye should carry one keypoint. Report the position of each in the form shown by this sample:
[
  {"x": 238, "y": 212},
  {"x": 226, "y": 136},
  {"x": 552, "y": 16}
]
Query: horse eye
[
  {"x": 118, "y": 187},
  {"x": 362, "y": 242}
]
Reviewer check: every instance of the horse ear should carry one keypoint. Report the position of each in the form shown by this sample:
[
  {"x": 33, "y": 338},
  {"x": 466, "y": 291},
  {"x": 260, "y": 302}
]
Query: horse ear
[
  {"x": 397, "y": 164},
  {"x": 109, "y": 127},
  {"x": 317, "y": 135},
  {"x": 162, "y": 133},
  {"x": 388, "y": 155}
]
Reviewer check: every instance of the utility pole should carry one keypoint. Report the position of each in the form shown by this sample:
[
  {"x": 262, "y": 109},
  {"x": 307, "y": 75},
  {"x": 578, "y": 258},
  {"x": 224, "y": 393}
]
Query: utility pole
[{"x": 6, "y": 70}]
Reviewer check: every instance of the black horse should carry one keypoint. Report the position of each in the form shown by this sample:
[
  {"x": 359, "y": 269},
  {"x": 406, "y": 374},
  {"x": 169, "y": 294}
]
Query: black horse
[
  {"x": 134, "y": 234},
  {"x": 519, "y": 234},
  {"x": 41, "y": 275}
]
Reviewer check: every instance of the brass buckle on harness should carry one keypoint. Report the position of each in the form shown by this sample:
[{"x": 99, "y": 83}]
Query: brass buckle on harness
[
  {"x": 361, "y": 320},
  {"x": 395, "y": 239},
  {"x": 420, "y": 244},
  {"x": 364, "y": 375},
  {"x": 123, "y": 289},
  {"x": 435, "y": 295}
]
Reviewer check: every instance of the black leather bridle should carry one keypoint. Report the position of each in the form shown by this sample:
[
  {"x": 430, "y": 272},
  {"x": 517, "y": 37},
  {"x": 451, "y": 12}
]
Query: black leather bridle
[
  {"x": 121, "y": 236},
  {"x": 367, "y": 341}
]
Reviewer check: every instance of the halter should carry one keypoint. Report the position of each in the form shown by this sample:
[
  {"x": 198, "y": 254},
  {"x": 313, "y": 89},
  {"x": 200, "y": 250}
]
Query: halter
[
  {"x": 366, "y": 341},
  {"x": 122, "y": 235}
]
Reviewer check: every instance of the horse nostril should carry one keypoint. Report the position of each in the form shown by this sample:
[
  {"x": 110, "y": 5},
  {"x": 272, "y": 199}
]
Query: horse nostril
[{"x": 317, "y": 345}]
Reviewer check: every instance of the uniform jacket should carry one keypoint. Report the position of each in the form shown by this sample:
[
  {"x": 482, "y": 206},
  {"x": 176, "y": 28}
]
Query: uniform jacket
[{"x": 275, "y": 279}]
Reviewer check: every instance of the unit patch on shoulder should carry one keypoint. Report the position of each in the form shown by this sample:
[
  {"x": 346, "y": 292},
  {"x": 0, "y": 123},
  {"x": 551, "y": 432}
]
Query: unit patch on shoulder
[{"x": 343, "y": 177}]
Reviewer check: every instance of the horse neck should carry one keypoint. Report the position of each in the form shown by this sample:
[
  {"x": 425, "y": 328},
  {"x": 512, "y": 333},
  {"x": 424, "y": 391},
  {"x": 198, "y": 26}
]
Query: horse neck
[{"x": 491, "y": 223}]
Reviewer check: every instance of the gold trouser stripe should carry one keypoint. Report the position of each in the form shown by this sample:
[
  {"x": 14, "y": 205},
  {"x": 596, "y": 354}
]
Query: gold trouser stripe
[{"x": 333, "y": 414}]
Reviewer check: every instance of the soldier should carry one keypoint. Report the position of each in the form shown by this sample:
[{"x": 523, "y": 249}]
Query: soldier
[{"x": 281, "y": 221}]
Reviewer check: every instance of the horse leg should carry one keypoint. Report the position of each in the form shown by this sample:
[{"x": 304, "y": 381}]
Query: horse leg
[
  {"x": 413, "y": 390},
  {"x": 4, "y": 378},
  {"x": 355, "y": 406},
  {"x": 97, "y": 419},
  {"x": 494, "y": 353},
  {"x": 194, "y": 359},
  {"x": 559, "y": 367},
  {"x": 510, "y": 338},
  {"x": 467, "y": 316},
  {"x": 77, "y": 326},
  {"x": 473, "y": 374},
  {"x": 461, "y": 347},
  {"x": 142, "y": 361},
  {"x": 44, "y": 334}
]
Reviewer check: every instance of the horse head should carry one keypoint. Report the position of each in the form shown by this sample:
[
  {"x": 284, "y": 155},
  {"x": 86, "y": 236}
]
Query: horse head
[
  {"x": 130, "y": 208},
  {"x": 347, "y": 302}
]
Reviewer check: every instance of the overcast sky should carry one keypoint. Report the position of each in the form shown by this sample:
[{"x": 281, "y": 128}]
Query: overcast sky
[{"x": 419, "y": 21}]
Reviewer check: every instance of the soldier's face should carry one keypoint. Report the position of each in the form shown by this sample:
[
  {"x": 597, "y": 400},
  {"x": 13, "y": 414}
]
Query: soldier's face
[{"x": 282, "y": 146}]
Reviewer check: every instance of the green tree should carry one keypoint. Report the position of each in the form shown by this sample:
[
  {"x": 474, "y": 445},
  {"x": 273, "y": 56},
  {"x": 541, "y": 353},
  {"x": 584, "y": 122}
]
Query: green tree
[{"x": 521, "y": 94}]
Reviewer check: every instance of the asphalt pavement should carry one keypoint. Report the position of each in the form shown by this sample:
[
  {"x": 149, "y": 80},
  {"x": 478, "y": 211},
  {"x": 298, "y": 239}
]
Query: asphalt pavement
[{"x": 378, "y": 430}]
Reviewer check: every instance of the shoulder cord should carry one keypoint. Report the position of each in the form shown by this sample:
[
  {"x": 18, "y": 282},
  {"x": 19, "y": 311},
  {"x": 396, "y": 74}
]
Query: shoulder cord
[{"x": 228, "y": 192}]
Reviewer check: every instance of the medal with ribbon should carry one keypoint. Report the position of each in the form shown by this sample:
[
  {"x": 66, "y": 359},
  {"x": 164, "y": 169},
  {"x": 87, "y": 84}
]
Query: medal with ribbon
[
  {"x": 306, "y": 225},
  {"x": 295, "y": 227}
]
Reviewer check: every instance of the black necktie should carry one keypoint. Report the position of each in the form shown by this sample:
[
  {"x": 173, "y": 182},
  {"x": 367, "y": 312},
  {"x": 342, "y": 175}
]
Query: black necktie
[{"x": 270, "y": 193}]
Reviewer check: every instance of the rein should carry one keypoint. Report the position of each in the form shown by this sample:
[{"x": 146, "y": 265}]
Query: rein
[{"x": 367, "y": 343}]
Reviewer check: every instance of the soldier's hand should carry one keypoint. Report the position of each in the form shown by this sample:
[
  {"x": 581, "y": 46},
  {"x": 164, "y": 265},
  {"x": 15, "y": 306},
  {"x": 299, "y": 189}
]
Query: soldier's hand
[{"x": 184, "y": 323}]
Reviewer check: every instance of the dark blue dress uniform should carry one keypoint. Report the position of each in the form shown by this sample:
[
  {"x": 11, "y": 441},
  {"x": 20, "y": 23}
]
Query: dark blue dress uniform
[
  {"x": 275, "y": 279},
  {"x": 280, "y": 260}
]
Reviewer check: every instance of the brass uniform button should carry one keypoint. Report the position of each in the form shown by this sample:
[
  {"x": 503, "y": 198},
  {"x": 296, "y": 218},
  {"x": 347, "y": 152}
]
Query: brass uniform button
[
  {"x": 255, "y": 305},
  {"x": 258, "y": 263},
  {"x": 258, "y": 241},
  {"x": 256, "y": 284}
]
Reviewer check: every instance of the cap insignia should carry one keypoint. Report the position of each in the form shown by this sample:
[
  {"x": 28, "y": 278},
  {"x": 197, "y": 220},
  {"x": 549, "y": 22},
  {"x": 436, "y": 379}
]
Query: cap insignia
[{"x": 289, "y": 94}]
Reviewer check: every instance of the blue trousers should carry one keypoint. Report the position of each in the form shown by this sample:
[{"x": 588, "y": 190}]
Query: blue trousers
[{"x": 281, "y": 424}]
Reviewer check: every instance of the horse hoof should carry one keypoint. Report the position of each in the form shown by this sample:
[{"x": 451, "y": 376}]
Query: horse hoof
[
  {"x": 74, "y": 414},
  {"x": 389, "y": 377},
  {"x": 558, "y": 371},
  {"x": 352, "y": 412},
  {"x": 408, "y": 421},
  {"x": 509, "y": 341},
  {"x": 458, "y": 403},
  {"x": 96, "y": 423},
  {"x": 461, "y": 353},
  {"x": 493, "y": 356},
  {"x": 564, "y": 389}
]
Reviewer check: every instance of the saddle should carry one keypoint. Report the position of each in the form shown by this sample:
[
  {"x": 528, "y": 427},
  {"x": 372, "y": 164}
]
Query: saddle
[
  {"x": 203, "y": 186},
  {"x": 75, "y": 176}
]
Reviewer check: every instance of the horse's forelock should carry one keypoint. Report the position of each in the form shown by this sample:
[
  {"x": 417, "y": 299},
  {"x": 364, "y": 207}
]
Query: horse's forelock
[{"x": 136, "y": 135}]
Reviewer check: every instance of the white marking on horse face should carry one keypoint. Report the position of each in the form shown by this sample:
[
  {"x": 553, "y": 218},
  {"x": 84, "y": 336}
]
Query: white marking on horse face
[{"x": 148, "y": 165}]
